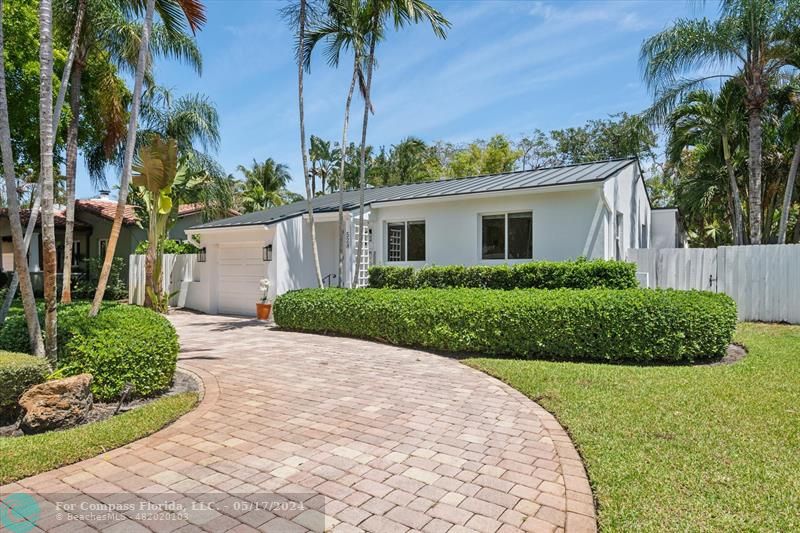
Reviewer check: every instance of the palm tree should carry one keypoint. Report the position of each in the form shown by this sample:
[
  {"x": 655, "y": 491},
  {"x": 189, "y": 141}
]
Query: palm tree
[
  {"x": 791, "y": 124},
  {"x": 195, "y": 15},
  {"x": 20, "y": 255},
  {"x": 46, "y": 169},
  {"x": 344, "y": 28},
  {"x": 758, "y": 37},
  {"x": 110, "y": 32},
  {"x": 191, "y": 120},
  {"x": 323, "y": 162},
  {"x": 716, "y": 126},
  {"x": 298, "y": 16},
  {"x": 263, "y": 185},
  {"x": 379, "y": 11}
]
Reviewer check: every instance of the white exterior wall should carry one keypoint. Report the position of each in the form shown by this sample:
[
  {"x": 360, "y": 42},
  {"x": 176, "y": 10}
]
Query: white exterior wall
[
  {"x": 666, "y": 230},
  {"x": 625, "y": 194},
  {"x": 568, "y": 222},
  {"x": 561, "y": 225}
]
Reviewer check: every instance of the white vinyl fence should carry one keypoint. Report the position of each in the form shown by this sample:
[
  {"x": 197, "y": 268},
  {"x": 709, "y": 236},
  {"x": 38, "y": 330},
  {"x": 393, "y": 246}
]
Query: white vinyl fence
[
  {"x": 177, "y": 270},
  {"x": 763, "y": 280}
]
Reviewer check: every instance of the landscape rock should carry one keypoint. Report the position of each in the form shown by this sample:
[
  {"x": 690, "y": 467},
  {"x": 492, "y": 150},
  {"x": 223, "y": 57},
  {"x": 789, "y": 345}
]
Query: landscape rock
[{"x": 56, "y": 404}]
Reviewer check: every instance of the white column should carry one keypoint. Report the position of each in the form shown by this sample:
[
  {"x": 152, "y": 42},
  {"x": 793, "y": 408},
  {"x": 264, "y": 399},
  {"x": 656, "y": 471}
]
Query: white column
[{"x": 33, "y": 253}]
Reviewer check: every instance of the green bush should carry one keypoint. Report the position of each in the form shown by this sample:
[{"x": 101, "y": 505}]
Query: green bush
[
  {"x": 18, "y": 372},
  {"x": 122, "y": 344},
  {"x": 641, "y": 325},
  {"x": 169, "y": 246},
  {"x": 579, "y": 274},
  {"x": 85, "y": 287}
]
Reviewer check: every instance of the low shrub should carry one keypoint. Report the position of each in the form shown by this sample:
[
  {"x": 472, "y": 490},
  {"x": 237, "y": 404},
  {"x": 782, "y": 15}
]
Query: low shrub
[
  {"x": 169, "y": 246},
  {"x": 18, "y": 372},
  {"x": 579, "y": 274},
  {"x": 641, "y": 325},
  {"x": 122, "y": 344}
]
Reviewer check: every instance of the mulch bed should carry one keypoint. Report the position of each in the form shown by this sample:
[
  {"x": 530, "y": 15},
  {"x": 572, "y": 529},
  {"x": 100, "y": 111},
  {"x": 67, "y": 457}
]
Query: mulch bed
[{"x": 183, "y": 382}]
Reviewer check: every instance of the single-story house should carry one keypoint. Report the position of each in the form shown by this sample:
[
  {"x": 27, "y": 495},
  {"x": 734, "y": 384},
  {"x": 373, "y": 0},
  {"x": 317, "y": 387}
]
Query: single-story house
[
  {"x": 93, "y": 220},
  {"x": 596, "y": 210}
]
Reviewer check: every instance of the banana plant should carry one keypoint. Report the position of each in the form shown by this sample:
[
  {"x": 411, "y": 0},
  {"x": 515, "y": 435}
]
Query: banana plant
[{"x": 155, "y": 170}]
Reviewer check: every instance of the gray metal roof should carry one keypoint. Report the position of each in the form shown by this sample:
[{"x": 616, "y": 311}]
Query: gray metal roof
[{"x": 510, "y": 181}]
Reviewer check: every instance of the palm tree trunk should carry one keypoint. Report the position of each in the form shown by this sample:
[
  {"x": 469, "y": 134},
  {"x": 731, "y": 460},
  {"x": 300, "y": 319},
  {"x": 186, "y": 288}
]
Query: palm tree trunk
[
  {"x": 72, "y": 165},
  {"x": 12, "y": 287},
  {"x": 754, "y": 164},
  {"x": 46, "y": 168},
  {"x": 735, "y": 199},
  {"x": 73, "y": 49},
  {"x": 20, "y": 253},
  {"x": 341, "y": 170},
  {"x": 130, "y": 144},
  {"x": 18, "y": 241},
  {"x": 788, "y": 195},
  {"x": 362, "y": 164}
]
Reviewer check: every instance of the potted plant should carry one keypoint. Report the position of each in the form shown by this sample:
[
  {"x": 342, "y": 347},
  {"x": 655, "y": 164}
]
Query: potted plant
[{"x": 264, "y": 308}]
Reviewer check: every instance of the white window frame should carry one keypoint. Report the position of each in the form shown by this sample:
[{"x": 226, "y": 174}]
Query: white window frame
[
  {"x": 405, "y": 222},
  {"x": 505, "y": 243},
  {"x": 619, "y": 235}
]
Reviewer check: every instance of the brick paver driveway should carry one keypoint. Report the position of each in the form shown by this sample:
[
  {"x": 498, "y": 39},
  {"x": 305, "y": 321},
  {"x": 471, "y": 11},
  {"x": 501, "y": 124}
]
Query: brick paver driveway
[{"x": 394, "y": 439}]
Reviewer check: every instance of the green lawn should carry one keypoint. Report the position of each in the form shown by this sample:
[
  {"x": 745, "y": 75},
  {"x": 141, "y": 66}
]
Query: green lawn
[
  {"x": 29, "y": 455},
  {"x": 682, "y": 448}
]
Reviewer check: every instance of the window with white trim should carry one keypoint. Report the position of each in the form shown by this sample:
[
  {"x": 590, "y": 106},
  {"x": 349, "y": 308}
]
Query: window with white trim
[
  {"x": 507, "y": 236},
  {"x": 405, "y": 241},
  {"x": 618, "y": 225}
]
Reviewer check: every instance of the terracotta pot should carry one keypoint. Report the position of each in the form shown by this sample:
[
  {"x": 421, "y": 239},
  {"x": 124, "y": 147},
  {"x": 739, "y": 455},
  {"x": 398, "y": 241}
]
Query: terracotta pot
[{"x": 263, "y": 311}]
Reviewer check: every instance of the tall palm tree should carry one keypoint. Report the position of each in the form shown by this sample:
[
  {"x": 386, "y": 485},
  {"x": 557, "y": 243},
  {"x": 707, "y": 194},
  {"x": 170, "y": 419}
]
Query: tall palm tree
[
  {"x": 298, "y": 16},
  {"x": 264, "y": 183},
  {"x": 344, "y": 28},
  {"x": 379, "y": 11},
  {"x": 716, "y": 126},
  {"x": 791, "y": 124},
  {"x": 195, "y": 15},
  {"x": 111, "y": 31},
  {"x": 20, "y": 255},
  {"x": 757, "y": 37},
  {"x": 46, "y": 168}
]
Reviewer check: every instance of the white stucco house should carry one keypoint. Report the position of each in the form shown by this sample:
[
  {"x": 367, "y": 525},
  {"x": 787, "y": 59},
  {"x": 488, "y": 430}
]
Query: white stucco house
[{"x": 597, "y": 210}]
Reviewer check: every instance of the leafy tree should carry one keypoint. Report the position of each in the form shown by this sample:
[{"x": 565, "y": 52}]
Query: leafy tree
[
  {"x": 324, "y": 160},
  {"x": 619, "y": 136},
  {"x": 484, "y": 157}
]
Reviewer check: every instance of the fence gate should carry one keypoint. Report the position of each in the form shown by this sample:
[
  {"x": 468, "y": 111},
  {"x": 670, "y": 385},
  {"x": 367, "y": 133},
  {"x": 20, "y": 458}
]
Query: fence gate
[{"x": 763, "y": 280}]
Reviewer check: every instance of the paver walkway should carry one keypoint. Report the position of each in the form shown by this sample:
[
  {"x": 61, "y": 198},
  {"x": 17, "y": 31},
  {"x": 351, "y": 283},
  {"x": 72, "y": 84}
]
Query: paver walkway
[{"x": 394, "y": 439}]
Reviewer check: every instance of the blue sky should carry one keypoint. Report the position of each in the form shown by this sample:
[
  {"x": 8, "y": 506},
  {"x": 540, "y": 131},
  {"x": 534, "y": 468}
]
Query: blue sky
[{"x": 506, "y": 67}]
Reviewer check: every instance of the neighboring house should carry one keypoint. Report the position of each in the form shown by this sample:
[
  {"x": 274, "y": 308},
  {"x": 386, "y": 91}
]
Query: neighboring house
[
  {"x": 93, "y": 220},
  {"x": 597, "y": 210}
]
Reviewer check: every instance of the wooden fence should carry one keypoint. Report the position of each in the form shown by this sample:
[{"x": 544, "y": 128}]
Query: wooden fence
[
  {"x": 763, "y": 280},
  {"x": 177, "y": 269}
]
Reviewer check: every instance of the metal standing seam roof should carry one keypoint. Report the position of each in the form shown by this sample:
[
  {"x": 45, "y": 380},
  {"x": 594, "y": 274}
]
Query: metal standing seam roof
[{"x": 510, "y": 181}]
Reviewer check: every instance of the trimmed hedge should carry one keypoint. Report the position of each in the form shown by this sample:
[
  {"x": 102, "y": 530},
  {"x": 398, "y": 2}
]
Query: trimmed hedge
[
  {"x": 122, "y": 344},
  {"x": 641, "y": 325},
  {"x": 18, "y": 372},
  {"x": 579, "y": 274}
]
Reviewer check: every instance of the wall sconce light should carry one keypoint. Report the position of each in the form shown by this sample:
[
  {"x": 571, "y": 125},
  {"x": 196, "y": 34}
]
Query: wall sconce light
[
  {"x": 266, "y": 253},
  {"x": 201, "y": 255}
]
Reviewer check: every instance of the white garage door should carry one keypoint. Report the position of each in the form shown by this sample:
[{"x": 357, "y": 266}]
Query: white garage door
[{"x": 240, "y": 271}]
